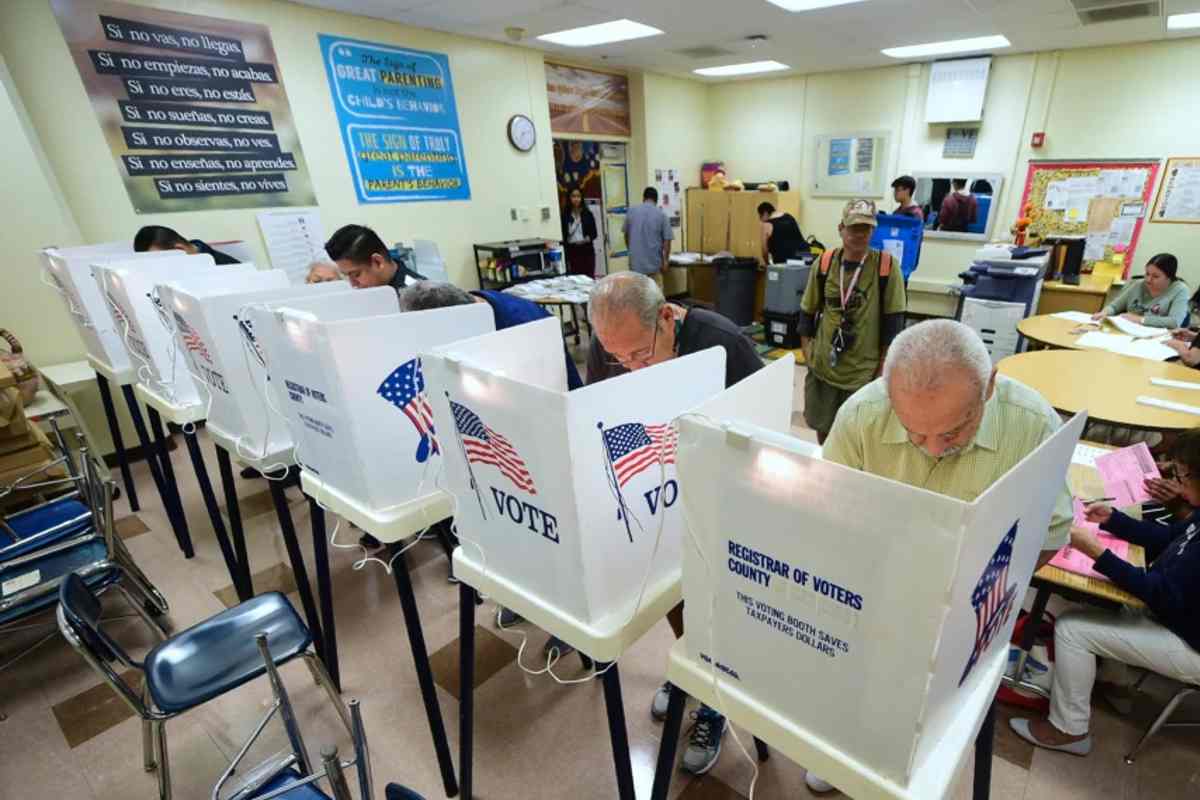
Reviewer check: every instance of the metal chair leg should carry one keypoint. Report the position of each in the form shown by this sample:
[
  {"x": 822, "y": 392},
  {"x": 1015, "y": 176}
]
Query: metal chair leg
[
  {"x": 114, "y": 430},
  {"x": 164, "y": 760},
  {"x": 284, "y": 703},
  {"x": 148, "y": 761},
  {"x": 1159, "y": 721},
  {"x": 140, "y": 610},
  {"x": 321, "y": 676}
]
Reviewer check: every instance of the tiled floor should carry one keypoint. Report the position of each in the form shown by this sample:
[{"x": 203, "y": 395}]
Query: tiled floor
[{"x": 62, "y": 737}]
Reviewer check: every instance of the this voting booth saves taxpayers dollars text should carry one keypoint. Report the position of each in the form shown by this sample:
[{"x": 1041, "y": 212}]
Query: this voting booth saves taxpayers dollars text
[
  {"x": 146, "y": 330},
  {"x": 357, "y": 388},
  {"x": 265, "y": 334},
  {"x": 862, "y": 610},
  {"x": 212, "y": 327},
  {"x": 560, "y": 495},
  {"x": 70, "y": 272}
]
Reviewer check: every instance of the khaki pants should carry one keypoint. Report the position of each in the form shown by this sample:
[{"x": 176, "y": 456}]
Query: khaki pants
[
  {"x": 1129, "y": 637},
  {"x": 821, "y": 403}
]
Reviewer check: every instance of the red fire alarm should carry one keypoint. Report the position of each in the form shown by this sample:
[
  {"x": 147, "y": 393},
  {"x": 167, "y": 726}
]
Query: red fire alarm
[{"x": 1039, "y": 139}]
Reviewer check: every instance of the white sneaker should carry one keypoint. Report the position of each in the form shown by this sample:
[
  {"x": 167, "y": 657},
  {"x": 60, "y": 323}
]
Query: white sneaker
[
  {"x": 662, "y": 698},
  {"x": 817, "y": 785}
]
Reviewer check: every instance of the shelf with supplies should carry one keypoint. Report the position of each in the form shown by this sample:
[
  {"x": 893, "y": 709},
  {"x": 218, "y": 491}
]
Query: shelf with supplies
[{"x": 503, "y": 264}]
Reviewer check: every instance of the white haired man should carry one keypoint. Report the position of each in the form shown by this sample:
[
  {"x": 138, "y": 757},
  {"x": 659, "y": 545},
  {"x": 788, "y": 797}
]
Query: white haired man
[{"x": 941, "y": 418}]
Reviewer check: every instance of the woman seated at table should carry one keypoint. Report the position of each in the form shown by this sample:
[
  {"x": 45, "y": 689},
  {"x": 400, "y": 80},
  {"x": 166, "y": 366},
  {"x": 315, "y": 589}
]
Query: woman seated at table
[
  {"x": 1164, "y": 638},
  {"x": 1159, "y": 300}
]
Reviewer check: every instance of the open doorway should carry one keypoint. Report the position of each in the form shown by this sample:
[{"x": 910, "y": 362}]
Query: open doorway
[{"x": 598, "y": 171}]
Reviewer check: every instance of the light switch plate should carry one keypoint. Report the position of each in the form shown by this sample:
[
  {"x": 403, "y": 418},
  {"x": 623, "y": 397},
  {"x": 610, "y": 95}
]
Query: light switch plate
[{"x": 545, "y": 213}]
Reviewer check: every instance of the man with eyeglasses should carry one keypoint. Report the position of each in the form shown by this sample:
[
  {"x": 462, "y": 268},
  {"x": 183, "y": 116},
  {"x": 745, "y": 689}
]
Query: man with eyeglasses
[
  {"x": 635, "y": 328},
  {"x": 940, "y": 418}
]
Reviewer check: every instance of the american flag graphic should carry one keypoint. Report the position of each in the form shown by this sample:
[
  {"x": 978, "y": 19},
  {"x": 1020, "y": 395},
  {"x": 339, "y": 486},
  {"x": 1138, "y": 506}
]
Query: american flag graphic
[
  {"x": 191, "y": 340},
  {"x": 485, "y": 446},
  {"x": 247, "y": 329},
  {"x": 633, "y": 447},
  {"x": 993, "y": 600},
  {"x": 405, "y": 389}
]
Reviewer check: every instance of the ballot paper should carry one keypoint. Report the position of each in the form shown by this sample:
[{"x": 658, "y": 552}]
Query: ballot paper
[
  {"x": 1086, "y": 454},
  {"x": 1074, "y": 316},
  {"x": 1124, "y": 473},
  {"x": 1074, "y": 561},
  {"x": 1150, "y": 349},
  {"x": 1135, "y": 329}
]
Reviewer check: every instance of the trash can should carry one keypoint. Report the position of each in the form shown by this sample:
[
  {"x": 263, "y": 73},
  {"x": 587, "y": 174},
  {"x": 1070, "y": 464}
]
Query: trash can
[{"x": 736, "y": 280}]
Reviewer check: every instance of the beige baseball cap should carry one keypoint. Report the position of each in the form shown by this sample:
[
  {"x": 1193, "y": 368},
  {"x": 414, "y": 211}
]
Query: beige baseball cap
[{"x": 860, "y": 212}]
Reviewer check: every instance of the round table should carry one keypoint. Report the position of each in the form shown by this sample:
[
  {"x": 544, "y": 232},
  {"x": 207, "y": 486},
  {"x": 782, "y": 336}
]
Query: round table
[
  {"x": 1107, "y": 385},
  {"x": 1052, "y": 331}
]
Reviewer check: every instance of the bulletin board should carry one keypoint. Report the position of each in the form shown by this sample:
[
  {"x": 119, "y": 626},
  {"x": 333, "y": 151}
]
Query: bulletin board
[
  {"x": 1105, "y": 200},
  {"x": 850, "y": 164},
  {"x": 1179, "y": 194}
]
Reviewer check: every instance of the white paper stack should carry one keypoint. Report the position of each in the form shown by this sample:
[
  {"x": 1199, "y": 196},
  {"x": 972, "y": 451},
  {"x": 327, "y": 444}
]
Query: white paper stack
[
  {"x": 1135, "y": 329},
  {"x": 1152, "y": 349}
]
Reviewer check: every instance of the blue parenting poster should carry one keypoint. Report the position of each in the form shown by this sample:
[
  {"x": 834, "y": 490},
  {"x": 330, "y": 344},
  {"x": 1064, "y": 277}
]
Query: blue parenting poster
[{"x": 395, "y": 107}]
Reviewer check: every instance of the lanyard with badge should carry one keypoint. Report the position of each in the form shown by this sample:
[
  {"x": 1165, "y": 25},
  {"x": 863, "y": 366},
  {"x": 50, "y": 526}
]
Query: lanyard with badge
[{"x": 843, "y": 334}]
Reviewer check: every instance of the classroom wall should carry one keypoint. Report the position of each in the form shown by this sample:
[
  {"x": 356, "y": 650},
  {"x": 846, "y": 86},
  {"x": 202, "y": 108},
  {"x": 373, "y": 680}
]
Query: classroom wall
[
  {"x": 492, "y": 82},
  {"x": 1130, "y": 101}
]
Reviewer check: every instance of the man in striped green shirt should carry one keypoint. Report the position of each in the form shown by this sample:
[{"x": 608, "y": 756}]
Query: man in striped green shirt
[{"x": 941, "y": 418}]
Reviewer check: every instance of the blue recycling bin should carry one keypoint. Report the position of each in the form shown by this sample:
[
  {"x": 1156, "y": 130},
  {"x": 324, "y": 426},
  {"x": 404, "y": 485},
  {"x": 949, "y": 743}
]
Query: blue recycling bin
[{"x": 901, "y": 236}]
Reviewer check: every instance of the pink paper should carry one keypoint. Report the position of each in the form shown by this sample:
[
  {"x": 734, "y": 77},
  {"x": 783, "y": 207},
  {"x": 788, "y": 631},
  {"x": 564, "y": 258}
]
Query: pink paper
[
  {"x": 1072, "y": 560},
  {"x": 1125, "y": 472}
]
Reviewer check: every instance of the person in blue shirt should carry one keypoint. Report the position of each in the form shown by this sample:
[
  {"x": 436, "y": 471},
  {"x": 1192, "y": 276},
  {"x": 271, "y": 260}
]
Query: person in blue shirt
[{"x": 1164, "y": 638}]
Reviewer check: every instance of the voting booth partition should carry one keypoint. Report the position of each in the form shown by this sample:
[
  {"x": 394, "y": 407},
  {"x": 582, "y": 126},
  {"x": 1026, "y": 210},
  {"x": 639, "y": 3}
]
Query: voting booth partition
[
  {"x": 70, "y": 271},
  {"x": 142, "y": 326},
  {"x": 362, "y": 420},
  {"x": 213, "y": 328},
  {"x": 893, "y": 603},
  {"x": 561, "y": 495}
]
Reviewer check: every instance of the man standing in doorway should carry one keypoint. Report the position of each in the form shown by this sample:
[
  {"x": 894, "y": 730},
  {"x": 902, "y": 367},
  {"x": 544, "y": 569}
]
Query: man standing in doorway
[
  {"x": 648, "y": 236},
  {"x": 903, "y": 189},
  {"x": 851, "y": 310},
  {"x": 959, "y": 209}
]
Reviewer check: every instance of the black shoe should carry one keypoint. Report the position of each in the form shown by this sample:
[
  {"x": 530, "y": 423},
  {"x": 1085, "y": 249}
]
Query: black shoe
[
  {"x": 250, "y": 474},
  {"x": 370, "y": 542},
  {"x": 397, "y": 792}
]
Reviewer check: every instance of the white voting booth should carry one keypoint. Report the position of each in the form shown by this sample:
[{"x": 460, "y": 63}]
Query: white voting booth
[
  {"x": 353, "y": 385},
  {"x": 213, "y": 330},
  {"x": 864, "y": 620},
  {"x": 560, "y": 495},
  {"x": 70, "y": 271},
  {"x": 129, "y": 288}
]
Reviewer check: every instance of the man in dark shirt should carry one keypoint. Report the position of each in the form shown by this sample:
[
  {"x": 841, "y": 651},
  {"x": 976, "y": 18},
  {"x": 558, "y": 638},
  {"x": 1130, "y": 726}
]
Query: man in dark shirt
[
  {"x": 959, "y": 209},
  {"x": 635, "y": 328},
  {"x": 363, "y": 258},
  {"x": 153, "y": 238},
  {"x": 903, "y": 189}
]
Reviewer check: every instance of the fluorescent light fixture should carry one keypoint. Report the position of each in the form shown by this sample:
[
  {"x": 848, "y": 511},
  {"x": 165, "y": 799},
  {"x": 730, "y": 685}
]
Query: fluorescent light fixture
[
  {"x": 946, "y": 48},
  {"x": 619, "y": 30},
  {"x": 1179, "y": 22},
  {"x": 810, "y": 5},
  {"x": 741, "y": 69}
]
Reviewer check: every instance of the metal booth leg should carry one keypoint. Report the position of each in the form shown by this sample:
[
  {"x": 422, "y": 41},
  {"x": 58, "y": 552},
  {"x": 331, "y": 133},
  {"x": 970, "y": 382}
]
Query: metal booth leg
[
  {"x": 243, "y": 582},
  {"x": 214, "y": 512},
  {"x": 983, "y": 755},
  {"x": 416, "y": 641},
  {"x": 288, "y": 528},
  {"x": 466, "y": 687},
  {"x": 617, "y": 732},
  {"x": 669, "y": 745},
  {"x": 325, "y": 589},
  {"x": 114, "y": 430}
]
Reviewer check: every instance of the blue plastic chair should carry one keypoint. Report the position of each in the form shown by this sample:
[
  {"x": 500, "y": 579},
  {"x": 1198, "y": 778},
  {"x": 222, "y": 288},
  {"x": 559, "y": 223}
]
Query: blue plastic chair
[{"x": 196, "y": 665}]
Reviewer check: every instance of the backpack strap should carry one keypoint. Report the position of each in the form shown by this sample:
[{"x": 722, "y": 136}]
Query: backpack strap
[
  {"x": 885, "y": 270},
  {"x": 823, "y": 273}
]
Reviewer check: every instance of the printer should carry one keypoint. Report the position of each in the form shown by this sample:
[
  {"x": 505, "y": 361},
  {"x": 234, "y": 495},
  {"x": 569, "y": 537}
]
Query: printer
[{"x": 1001, "y": 287}]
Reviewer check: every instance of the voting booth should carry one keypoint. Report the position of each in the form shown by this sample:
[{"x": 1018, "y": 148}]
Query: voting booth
[
  {"x": 213, "y": 330},
  {"x": 869, "y": 618},
  {"x": 355, "y": 388},
  {"x": 69, "y": 270},
  {"x": 144, "y": 328},
  {"x": 562, "y": 495}
]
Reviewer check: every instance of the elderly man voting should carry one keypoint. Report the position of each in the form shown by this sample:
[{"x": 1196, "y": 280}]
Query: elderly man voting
[
  {"x": 1164, "y": 639},
  {"x": 941, "y": 418}
]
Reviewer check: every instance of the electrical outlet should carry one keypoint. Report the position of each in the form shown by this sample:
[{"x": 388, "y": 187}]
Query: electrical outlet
[
  {"x": 513, "y": 212},
  {"x": 545, "y": 213}
]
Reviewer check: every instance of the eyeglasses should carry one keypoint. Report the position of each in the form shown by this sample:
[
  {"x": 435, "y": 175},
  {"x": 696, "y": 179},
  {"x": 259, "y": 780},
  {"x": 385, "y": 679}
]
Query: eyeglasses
[{"x": 642, "y": 356}]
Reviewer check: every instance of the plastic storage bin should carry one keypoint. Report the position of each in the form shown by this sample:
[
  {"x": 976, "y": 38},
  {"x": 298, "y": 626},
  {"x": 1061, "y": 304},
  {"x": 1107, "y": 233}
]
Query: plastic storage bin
[
  {"x": 900, "y": 236},
  {"x": 781, "y": 330},
  {"x": 736, "y": 279}
]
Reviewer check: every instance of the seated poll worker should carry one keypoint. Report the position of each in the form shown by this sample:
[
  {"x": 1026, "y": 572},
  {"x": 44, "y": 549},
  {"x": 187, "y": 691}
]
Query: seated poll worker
[
  {"x": 851, "y": 310},
  {"x": 155, "y": 238},
  {"x": 941, "y": 419},
  {"x": 322, "y": 272},
  {"x": 1158, "y": 300},
  {"x": 363, "y": 258},
  {"x": 635, "y": 327},
  {"x": 1163, "y": 638}
]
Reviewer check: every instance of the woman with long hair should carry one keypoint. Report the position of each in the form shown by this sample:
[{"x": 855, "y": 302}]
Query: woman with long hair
[{"x": 579, "y": 235}]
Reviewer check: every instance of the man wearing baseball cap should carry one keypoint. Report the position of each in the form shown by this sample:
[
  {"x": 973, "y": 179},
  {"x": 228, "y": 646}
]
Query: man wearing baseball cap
[{"x": 852, "y": 308}]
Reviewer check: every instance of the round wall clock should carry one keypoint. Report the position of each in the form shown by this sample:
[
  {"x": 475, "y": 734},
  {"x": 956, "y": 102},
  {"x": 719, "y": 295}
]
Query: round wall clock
[{"x": 521, "y": 133}]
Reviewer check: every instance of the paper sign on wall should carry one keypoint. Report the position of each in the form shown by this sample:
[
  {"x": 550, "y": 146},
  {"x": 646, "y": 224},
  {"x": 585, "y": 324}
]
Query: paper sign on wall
[{"x": 395, "y": 108}]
